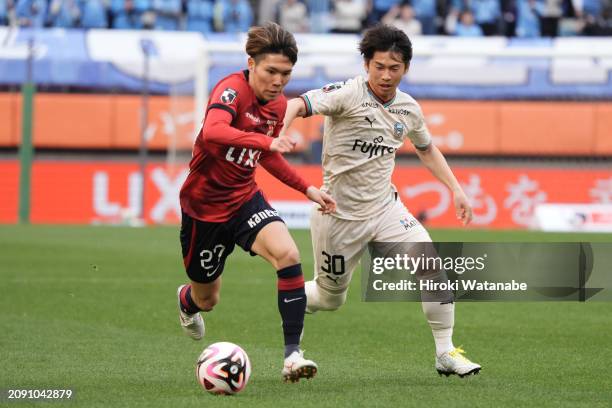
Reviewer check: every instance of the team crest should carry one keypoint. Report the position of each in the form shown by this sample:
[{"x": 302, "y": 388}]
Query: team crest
[
  {"x": 398, "y": 129},
  {"x": 228, "y": 96},
  {"x": 332, "y": 87}
]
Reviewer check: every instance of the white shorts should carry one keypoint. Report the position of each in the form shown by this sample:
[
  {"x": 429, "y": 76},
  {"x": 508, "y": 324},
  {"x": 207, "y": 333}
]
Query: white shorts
[{"x": 339, "y": 244}]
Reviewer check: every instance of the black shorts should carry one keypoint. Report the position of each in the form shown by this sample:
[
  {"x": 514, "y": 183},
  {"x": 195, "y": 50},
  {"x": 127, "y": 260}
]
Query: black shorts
[{"x": 206, "y": 245}]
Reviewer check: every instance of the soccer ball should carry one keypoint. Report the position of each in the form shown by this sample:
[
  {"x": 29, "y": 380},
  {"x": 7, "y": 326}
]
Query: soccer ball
[{"x": 223, "y": 368}]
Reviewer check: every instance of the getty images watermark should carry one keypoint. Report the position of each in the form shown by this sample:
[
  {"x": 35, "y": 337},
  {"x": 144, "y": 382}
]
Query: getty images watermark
[{"x": 455, "y": 271}]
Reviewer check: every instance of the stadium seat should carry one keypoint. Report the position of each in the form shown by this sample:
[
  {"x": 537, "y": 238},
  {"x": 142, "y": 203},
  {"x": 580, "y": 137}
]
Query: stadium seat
[
  {"x": 93, "y": 14},
  {"x": 128, "y": 14},
  {"x": 31, "y": 13},
  {"x": 199, "y": 15},
  {"x": 236, "y": 15},
  {"x": 167, "y": 14}
]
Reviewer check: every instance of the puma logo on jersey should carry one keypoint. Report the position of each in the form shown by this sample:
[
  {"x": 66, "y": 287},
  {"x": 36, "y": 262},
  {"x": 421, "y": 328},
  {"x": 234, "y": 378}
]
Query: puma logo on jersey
[
  {"x": 246, "y": 157},
  {"x": 260, "y": 216},
  {"x": 372, "y": 148},
  {"x": 370, "y": 121}
]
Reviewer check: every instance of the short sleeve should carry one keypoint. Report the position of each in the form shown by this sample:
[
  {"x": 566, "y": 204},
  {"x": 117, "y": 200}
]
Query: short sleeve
[
  {"x": 419, "y": 133},
  {"x": 331, "y": 100},
  {"x": 227, "y": 95}
]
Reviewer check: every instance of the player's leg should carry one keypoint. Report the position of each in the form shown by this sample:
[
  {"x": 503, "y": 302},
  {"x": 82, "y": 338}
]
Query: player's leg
[
  {"x": 337, "y": 246},
  {"x": 399, "y": 226},
  {"x": 262, "y": 232},
  {"x": 205, "y": 247}
]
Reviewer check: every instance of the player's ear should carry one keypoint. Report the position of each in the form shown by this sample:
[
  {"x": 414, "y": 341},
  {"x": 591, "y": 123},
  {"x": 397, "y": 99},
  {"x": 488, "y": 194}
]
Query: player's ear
[
  {"x": 251, "y": 64},
  {"x": 407, "y": 68},
  {"x": 366, "y": 64}
]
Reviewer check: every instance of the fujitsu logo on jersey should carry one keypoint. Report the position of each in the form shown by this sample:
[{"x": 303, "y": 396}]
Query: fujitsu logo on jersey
[
  {"x": 246, "y": 157},
  {"x": 260, "y": 216},
  {"x": 373, "y": 148}
]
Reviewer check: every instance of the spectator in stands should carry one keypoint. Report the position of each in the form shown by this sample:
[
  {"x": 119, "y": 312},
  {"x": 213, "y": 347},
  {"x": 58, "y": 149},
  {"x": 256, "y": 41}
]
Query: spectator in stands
[
  {"x": 293, "y": 16},
  {"x": 320, "y": 12},
  {"x": 31, "y": 13},
  {"x": 527, "y": 21},
  {"x": 550, "y": 13},
  {"x": 63, "y": 13},
  {"x": 200, "y": 15},
  {"x": 267, "y": 11},
  {"x": 167, "y": 14},
  {"x": 94, "y": 14},
  {"x": 509, "y": 17},
  {"x": 402, "y": 17},
  {"x": 348, "y": 16},
  {"x": 131, "y": 14},
  {"x": 5, "y": 9},
  {"x": 377, "y": 10},
  {"x": 466, "y": 27},
  {"x": 425, "y": 12},
  {"x": 233, "y": 16},
  {"x": 487, "y": 14}
]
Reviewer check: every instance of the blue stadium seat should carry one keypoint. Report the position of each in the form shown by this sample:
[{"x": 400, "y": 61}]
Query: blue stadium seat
[
  {"x": 31, "y": 13},
  {"x": 3, "y": 12},
  {"x": 63, "y": 13},
  {"x": 199, "y": 15},
  {"x": 425, "y": 12},
  {"x": 167, "y": 14},
  {"x": 93, "y": 14},
  {"x": 236, "y": 15},
  {"x": 527, "y": 21},
  {"x": 129, "y": 19}
]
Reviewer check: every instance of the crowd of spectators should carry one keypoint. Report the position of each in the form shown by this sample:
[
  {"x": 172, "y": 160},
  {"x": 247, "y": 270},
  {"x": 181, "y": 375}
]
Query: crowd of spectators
[{"x": 468, "y": 18}]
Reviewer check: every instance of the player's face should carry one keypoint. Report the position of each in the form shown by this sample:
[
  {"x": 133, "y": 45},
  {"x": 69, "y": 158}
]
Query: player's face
[
  {"x": 385, "y": 71},
  {"x": 269, "y": 75}
]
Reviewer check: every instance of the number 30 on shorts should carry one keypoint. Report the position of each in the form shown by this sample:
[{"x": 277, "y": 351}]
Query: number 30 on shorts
[{"x": 333, "y": 264}]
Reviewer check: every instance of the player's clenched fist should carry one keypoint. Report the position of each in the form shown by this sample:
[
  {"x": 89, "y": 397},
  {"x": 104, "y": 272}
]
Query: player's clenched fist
[{"x": 282, "y": 144}]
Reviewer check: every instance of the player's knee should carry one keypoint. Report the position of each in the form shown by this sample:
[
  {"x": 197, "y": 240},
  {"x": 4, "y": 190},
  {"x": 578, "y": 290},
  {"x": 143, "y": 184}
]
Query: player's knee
[
  {"x": 207, "y": 303},
  {"x": 287, "y": 257}
]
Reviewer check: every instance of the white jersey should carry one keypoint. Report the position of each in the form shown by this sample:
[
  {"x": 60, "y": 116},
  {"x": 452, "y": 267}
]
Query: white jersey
[{"x": 361, "y": 137}]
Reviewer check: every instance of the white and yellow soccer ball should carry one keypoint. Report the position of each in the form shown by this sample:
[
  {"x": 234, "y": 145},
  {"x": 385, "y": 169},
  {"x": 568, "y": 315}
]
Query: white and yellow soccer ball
[{"x": 223, "y": 368}]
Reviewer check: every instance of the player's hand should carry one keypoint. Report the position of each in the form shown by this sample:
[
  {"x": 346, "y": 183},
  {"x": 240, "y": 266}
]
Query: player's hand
[
  {"x": 326, "y": 202},
  {"x": 463, "y": 208},
  {"x": 282, "y": 144}
]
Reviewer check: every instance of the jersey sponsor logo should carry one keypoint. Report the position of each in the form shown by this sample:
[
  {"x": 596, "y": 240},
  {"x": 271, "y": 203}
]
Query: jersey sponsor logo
[
  {"x": 408, "y": 223},
  {"x": 398, "y": 111},
  {"x": 398, "y": 129},
  {"x": 373, "y": 148},
  {"x": 229, "y": 96},
  {"x": 370, "y": 121},
  {"x": 332, "y": 87},
  {"x": 369, "y": 105},
  {"x": 260, "y": 216},
  {"x": 254, "y": 118},
  {"x": 245, "y": 157}
]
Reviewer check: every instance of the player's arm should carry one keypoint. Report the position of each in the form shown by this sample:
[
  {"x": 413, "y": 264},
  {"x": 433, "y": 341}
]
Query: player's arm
[
  {"x": 218, "y": 129},
  {"x": 433, "y": 159},
  {"x": 277, "y": 166},
  {"x": 295, "y": 108}
]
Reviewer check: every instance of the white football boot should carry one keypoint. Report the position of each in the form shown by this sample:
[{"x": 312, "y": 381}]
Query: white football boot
[
  {"x": 454, "y": 362},
  {"x": 296, "y": 367},
  {"x": 193, "y": 325}
]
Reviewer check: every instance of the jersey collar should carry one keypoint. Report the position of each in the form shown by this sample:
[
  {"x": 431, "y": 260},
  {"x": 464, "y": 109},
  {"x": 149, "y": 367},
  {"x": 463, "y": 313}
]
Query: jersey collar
[{"x": 383, "y": 103}]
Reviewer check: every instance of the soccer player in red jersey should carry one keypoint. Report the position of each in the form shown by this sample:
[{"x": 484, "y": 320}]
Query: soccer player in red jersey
[{"x": 223, "y": 206}]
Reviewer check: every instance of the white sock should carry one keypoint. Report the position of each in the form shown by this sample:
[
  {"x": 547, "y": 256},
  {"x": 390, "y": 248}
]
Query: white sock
[
  {"x": 312, "y": 296},
  {"x": 441, "y": 319}
]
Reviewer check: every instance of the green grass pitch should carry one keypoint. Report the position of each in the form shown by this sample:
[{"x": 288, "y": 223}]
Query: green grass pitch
[{"x": 94, "y": 309}]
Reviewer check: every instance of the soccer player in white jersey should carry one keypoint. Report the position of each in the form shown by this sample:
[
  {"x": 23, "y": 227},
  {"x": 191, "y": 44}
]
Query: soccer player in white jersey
[{"x": 367, "y": 121}]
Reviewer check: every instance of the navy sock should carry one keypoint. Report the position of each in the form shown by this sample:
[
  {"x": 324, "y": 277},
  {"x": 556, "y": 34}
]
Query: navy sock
[
  {"x": 187, "y": 304},
  {"x": 291, "y": 305}
]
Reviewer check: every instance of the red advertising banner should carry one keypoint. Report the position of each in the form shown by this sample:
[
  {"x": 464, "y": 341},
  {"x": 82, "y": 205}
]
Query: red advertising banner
[{"x": 106, "y": 192}]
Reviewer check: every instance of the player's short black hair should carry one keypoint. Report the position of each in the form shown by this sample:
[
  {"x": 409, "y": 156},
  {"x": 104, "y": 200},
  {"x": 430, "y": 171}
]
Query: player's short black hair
[
  {"x": 271, "y": 39},
  {"x": 384, "y": 38}
]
